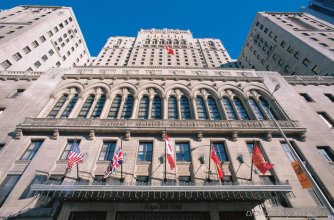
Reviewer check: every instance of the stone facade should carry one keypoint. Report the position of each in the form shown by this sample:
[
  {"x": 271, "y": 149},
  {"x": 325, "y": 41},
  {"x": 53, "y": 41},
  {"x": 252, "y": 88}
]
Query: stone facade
[{"x": 289, "y": 43}]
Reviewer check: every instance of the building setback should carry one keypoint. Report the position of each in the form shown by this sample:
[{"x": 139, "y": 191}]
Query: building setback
[
  {"x": 323, "y": 9},
  {"x": 289, "y": 43},
  {"x": 36, "y": 38}
]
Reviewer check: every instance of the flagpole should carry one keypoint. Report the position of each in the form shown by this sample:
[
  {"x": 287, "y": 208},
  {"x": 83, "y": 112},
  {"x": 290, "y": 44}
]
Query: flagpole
[
  {"x": 121, "y": 180},
  {"x": 209, "y": 172},
  {"x": 251, "y": 176},
  {"x": 78, "y": 171},
  {"x": 165, "y": 178}
]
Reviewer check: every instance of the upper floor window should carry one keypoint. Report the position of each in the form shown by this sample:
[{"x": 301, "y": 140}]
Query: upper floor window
[
  {"x": 58, "y": 106},
  {"x": 107, "y": 151},
  {"x": 127, "y": 108},
  {"x": 86, "y": 106},
  {"x": 240, "y": 109},
  {"x": 288, "y": 151},
  {"x": 68, "y": 148},
  {"x": 266, "y": 106},
  {"x": 326, "y": 119},
  {"x": 330, "y": 96},
  {"x": 69, "y": 107},
  {"x": 32, "y": 150},
  {"x": 7, "y": 186},
  {"x": 143, "y": 107},
  {"x": 99, "y": 107},
  {"x": 185, "y": 108},
  {"x": 182, "y": 152},
  {"x": 172, "y": 108},
  {"x": 230, "y": 113},
  {"x": 145, "y": 151},
  {"x": 114, "y": 109},
  {"x": 220, "y": 151},
  {"x": 256, "y": 109},
  {"x": 213, "y": 109},
  {"x": 156, "y": 108},
  {"x": 326, "y": 152},
  {"x": 201, "y": 110}
]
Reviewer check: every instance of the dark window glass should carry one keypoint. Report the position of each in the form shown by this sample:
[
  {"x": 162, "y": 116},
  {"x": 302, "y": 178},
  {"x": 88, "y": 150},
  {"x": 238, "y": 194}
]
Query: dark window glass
[
  {"x": 17, "y": 93},
  {"x": 86, "y": 107},
  {"x": 184, "y": 179},
  {"x": 107, "y": 151},
  {"x": 256, "y": 109},
  {"x": 213, "y": 109},
  {"x": 70, "y": 107},
  {"x": 201, "y": 110},
  {"x": 220, "y": 151},
  {"x": 330, "y": 96},
  {"x": 182, "y": 152},
  {"x": 88, "y": 215},
  {"x": 145, "y": 151},
  {"x": 185, "y": 108},
  {"x": 6, "y": 187},
  {"x": 265, "y": 106},
  {"x": 27, "y": 193},
  {"x": 143, "y": 107},
  {"x": 240, "y": 109},
  {"x": 230, "y": 113},
  {"x": 306, "y": 97},
  {"x": 99, "y": 107},
  {"x": 58, "y": 106},
  {"x": 326, "y": 119},
  {"x": 127, "y": 108},
  {"x": 68, "y": 149},
  {"x": 156, "y": 108},
  {"x": 114, "y": 109},
  {"x": 326, "y": 153},
  {"x": 32, "y": 150},
  {"x": 172, "y": 108},
  {"x": 142, "y": 180}
]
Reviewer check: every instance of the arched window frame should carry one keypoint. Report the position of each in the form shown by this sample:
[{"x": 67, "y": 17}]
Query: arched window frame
[
  {"x": 98, "y": 108},
  {"x": 185, "y": 108},
  {"x": 228, "y": 106},
  {"x": 263, "y": 101},
  {"x": 257, "y": 109},
  {"x": 173, "y": 113},
  {"x": 70, "y": 106},
  {"x": 127, "y": 107},
  {"x": 156, "y": 111},
  {"x": 144, "y": 105},
  {"x": 85, "y": 108},
  {"x": 58, "y": 106},
  {"x": 240, "y": 109},
  {"x": 115, "y": 107},
  {"x": 213, "y": 110},
  {"x": 201, "y": 108}
]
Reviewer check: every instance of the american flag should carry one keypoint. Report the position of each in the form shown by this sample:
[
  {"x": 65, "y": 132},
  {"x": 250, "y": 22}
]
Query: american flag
[
  {"x": 75, "y": 156},
  {"x": 117, "y": 160}
]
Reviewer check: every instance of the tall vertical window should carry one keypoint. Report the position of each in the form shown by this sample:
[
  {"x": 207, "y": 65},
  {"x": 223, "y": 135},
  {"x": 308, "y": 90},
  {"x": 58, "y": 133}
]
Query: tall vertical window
[
  {"x": 256, "y": 109},
  {"x": 240, "y": 109},
  {"x": 213, "y": 109},
  {"x": 156, "y": 107},
  {"x": 330, "y": 96},
  {"x": 306, "y": 97},
  {"x": 182, "y": 152},
  {"x": 68, "y": 149},
  {"x": 70, "y": 107},
  {"x": 201, "y": 110},
  {"x": 32, "y": 150},
  {"x": 143, "y": 107},
  {"x": 27, "y": 193},
  {"x": 185, "y": 108},
  {"x": 145, "y": 151},
  {"x": 107, "y": 151},
  {"x": 230, "y": 113},
  {"x": 7, "y": 186},
  {"x": 172, "y": 108},
  {"x": 326, "y": 153},
  {"x": 99, "y": 107},
  {"x": 265, "y": 106},
  {"x": 326, "y": 119},
  {"x": 58, "y": 106},
  {"x": 220, "y": 151},
  {"x": 250, "y": 146},
  {"x": 86, "y": 107},
  {"x": 114, "y": 109},
  {"x": 288, "y": 151},
  {"x": 127, "y": 108}
]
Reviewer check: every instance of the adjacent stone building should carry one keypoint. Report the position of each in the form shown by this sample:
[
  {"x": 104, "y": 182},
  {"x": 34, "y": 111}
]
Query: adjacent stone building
[
  {"x": 289, "y": 43},
  {"x": 37, "y": 38},
  {"x": 323, "y": 9}
]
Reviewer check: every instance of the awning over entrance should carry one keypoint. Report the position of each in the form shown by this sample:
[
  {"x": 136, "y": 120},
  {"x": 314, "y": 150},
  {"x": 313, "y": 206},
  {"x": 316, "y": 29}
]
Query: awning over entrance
[{"x": 158, "y": 192}]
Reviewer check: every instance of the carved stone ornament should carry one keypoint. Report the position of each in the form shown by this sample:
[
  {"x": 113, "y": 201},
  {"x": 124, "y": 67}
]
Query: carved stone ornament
[
  {"x": 199, "y": 136},
  {"x": 127, "y": 135},
  {"x": 303, "y": 136},
  {"x": 234, "y": 135},
  {"x": 163, "y": 135},
  {"x": 55, "y": 135},
  {"x": 91, "y": 135},
  {"x": 269, "y": 136},
  {"x": 19, "y": 133}
]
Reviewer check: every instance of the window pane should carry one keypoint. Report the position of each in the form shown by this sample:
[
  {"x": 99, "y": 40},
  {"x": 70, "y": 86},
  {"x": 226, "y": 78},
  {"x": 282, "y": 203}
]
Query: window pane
[
  {"x": 326, "y": 153},
  {"x": 240, "y": 109},
  {"x": 185, "y": 108},
  {"x": 107, "y": 151},
  {"x": 145, "y": 151},
  {"x": 214, "y": 112},
  {"x": 172, "y": 108},
  {"x": 58, "y": 106},
  {"x": 156, "y": 108},
  {"x": 86, "y": 107},
  {"x": 127, "y": 108},
  {"x": 32, "y": 150},
  {"x": 229, "y": 109},
  {"x": 265, "y": 106},
  {"x": 6, "y": 187},
  {"x": 257, "y": 111},
  {"x": 68, "y": 149},
  {"x": 201, "y": 110},
  {"x": 182, "y": 152},
  {"x": 27, "y": 193},
  {"x": 70, "y": 107},
  {"x": 220, "y": 151},
  {"x": 143, "y": 108},
  {"x": 99, "y": 107},
  {"x": 114, "y": 109},
  {"x": 288, "y": 152}
]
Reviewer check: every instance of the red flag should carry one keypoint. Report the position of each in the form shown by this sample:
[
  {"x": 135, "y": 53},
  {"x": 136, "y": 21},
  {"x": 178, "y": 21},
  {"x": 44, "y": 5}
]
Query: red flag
[
  {"x": 169, "y": 50},
  {"x": 217, "y": 163},
  {"x": 169, "y": 151},
  {"x": 259, "y": 161},
  {"x": 117, "y": 160}
]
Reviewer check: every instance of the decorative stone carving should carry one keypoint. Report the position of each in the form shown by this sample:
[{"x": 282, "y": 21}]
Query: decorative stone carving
[
  {"x": 91, "y": 135},
  {"x": 163, "y": 134},
  {"x": 55, "y": 135},
  {"x": 303, "y": 136},
  {"x": 127, "y": 135},
  {"x": 234, "y": 135},
  {"x": 199, "y": 136},
  {"x": 269, "y": 136},
  {"x": 19, "y": 133}
]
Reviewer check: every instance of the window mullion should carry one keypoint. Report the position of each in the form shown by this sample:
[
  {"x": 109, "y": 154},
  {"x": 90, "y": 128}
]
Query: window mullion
[
  {"x": 61, "y": 110},
  {"x": 92, "y": 107}
]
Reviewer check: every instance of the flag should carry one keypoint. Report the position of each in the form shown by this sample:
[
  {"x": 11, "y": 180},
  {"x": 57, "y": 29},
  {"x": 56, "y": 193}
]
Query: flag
[
  {"x": 117, "y": 160},
  {"x": 75, "y": 156},
  {"x": 169, "y": 151},
  {"x": 169, "y": 50},
  {"x": 259, "y": 161},
  {"x": 217, "y": 163}
]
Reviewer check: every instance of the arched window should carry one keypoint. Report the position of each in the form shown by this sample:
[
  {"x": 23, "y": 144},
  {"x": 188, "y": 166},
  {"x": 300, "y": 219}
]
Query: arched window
[
  {"x": 70, "y": 107},
  {"x": 58, "y": 106},
  {"x": 99, "y": 107},
  {"x": 256, "y": 109},
  {"x": 213, "y": 109},
  {"x": 86, "y": 107},
  {"x": 115, "y": 105},
  {"x": 156, "y": 108},
  {"x": 230, "y": 113},
  {"x": 127, "y": 108},
  {"x": 185, "y": 108},
  {"x": 265, "y": 106},
  {"x": 143, "y": 108},
  {"x": 172, "y": 108},
  {"x": 240, "y": 109},
  {"x": 201, "y": 110}
]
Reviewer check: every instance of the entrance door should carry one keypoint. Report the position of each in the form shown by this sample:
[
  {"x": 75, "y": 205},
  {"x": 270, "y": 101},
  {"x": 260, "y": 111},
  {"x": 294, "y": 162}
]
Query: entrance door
[
  {"x": 163, "y": 216},
  {"x": 234, "y": 215}
]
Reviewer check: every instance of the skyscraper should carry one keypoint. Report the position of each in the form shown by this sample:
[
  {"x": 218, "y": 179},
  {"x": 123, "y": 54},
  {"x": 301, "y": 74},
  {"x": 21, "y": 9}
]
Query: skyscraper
[
  {"x": 323, "y": 9},
  {"x": 36, "y": 38},
  {"x": 289, "y": 43}
]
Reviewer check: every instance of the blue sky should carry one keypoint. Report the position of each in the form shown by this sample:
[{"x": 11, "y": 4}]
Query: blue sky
[{"x": 228, "y": 21}]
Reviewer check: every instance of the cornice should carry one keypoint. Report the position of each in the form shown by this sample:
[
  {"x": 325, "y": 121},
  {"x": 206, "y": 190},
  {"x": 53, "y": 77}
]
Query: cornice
[{"x": 310, "y": 80}]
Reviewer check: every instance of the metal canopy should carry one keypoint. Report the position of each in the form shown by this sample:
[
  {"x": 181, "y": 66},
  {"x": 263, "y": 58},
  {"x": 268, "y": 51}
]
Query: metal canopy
[{"x": 158, "y": 192}]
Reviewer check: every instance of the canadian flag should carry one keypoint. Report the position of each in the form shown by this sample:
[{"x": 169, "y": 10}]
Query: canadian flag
[
  {"x": 170, "y": 153},
  {"x": 169, "y": 50}
]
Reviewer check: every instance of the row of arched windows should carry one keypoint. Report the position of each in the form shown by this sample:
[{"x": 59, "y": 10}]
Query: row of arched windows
[
  {"x": 176, "y": 106},
  {"x": 166, "y": 41}
]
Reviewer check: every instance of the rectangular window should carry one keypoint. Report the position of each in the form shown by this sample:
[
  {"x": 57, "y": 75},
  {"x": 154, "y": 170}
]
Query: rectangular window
[
  {"x": 182, "y": 152},
  {"x": 32, "y": 150},
  {"x": 17, "y": 56},
  {"x": 51, "y": 52},
  {"x": 50, "y": 33},
  {"x": 2, "y": 109},
  {"x": 184, "y": 179},
  {"x": 107, "y": 151},
  {"x": 306, "y": 62},
  {"x": 326, "y": 152},
  {"x": 145, "y": 151},
  {"x": 42, "y": 38},
  {"x": 17, "y": 93},
  {"x": 220, "y": 151},
  {"x": 306, "y": 97},
  {"x": 6, "y": 187},
  {"x": 26, "y": 50},
  {"x": 250, "y": 146},
  {"x": 326, "y": 119},
  {"x": 27, "y": 193},
  {"x": 37, "y": 64},
  {"x": 290, "y": 49},
  {"x": 35, "y": 44},
  {"x": 2, "y": 145},
  {"x": 330, "y": 96},
  {"x": 142, "y": 180},
  {"x": 68, "y": 149},
  {"x": 288, "y": 151},
  {"x": 6, "y": 64},
  {"x": 88, "y": 215},
  {"x": 297, "y": 55},
  {"x": 283, "y": 43},
  {"x": 316, "y": 69}
]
